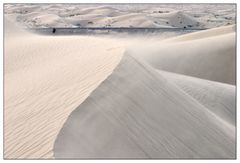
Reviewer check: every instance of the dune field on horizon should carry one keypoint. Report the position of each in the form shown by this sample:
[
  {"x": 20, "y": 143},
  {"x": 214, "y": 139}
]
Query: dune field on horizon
[{"x": 119, "y": 81}]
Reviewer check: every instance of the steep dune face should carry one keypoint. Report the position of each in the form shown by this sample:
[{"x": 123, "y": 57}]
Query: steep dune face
[
  {"x": 45, "y": 78},
  {"x": 141, "y": 111},
  {"x": 211, "y": 58},
  {"x": 217, "y": 97},
  {"x": 137, "y": 113}
]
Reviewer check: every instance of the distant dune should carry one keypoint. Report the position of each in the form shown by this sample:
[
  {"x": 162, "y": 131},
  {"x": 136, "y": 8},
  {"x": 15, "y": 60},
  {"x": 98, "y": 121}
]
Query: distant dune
[
  {"x": 177, "y": 19},
  {"x": 157, "y": 16}
]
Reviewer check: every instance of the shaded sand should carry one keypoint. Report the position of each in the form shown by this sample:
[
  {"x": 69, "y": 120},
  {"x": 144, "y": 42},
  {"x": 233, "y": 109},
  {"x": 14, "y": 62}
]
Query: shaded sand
[
  {"x": 45, "y": 78},
  {"x": 177, "y": 19},
  {"x": 211, "y": 58},
  {"x": 137, "y": 113},
  {"x": 217, "y": 97},
  {"x": 141, "y": 111}
]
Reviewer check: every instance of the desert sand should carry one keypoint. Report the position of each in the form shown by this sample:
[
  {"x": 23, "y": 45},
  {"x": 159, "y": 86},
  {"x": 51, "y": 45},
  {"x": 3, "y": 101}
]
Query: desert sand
[
  {"x": 109, "y": 15},
  {"x": 137, "y": 113},
  {"x": 75, "y": 96},
  {"x": 141, "y": 111},
  {"x": 216, "y": 61},
  {"x": 45, "y": 79}
]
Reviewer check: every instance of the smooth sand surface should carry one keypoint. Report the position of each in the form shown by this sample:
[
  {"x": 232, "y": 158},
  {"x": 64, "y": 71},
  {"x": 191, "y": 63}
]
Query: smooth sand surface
[
  {"x": 141, "y": 111},
  {"x": 205, "y": 33},
  {"x": 45, "y": 78},
  {"x": 137, "y": 113},
  {"x": 211, "y": 58},
  {"x": 217, "y": 97}
]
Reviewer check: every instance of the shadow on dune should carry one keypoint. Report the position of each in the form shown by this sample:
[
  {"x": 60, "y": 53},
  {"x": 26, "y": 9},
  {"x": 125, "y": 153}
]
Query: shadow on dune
[{"x": 137, "y": 112}]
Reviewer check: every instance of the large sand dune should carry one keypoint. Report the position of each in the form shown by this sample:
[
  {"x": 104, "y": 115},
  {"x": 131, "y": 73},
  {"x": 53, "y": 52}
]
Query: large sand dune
[
  {"x": 141, "y": 111},
  {"x": 137, "y": 113},
  {"x": 45, "y": 79},
  {"x": 105, "y": 97}
]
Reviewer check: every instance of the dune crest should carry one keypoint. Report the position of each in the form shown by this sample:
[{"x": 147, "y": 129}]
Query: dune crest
[
  {"x": 45, "y": 78},
  {"x": 79, "y": 85},
  {"x": 137, "y": 113}
]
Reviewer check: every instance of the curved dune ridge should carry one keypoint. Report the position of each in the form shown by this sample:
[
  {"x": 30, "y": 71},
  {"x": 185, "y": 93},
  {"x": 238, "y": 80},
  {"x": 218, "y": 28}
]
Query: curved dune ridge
[
  {"x": 141, "y": 111},
  {"x": 45, "y": 78},
  {"x": 137, "y": 113},
  {"x": 102, "y": 97}
]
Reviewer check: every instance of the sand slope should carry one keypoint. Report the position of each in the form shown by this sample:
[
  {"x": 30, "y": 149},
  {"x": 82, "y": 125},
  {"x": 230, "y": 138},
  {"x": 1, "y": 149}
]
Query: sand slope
[
  {"x": 205, "y": 33},
  {"x": 211, "y": 58},
  {"x": 45, "y": 78},
  {"x": 217, "y": 97},
  {"x": 177, "y": 19},
  {"x": 137, "y": 113}
]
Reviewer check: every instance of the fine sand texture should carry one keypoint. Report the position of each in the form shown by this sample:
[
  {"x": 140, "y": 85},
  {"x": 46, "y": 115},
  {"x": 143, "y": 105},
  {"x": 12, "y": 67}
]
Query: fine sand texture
[
  {"x": 137, "y": 113},
  {"x": 143, "y": 111},
  {"x": 217, "y": 97},
  {"x": 211, "y": 58},
  {"x": 73, "y": 96},
  {"x": 45, "y": 78}
]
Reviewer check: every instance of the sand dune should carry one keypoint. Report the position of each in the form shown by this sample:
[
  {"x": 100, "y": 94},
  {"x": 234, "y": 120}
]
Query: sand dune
[
  {"x": 132, "y": 20},
  {"x": 137, "y": 113},
  {"x": 177, "y": 19},
  {"x": 45, "y": 79},
  {"x": 211, "y": 58},
  {"x": 111, "y": 97},
  {"x": 157, "y": 16}
]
